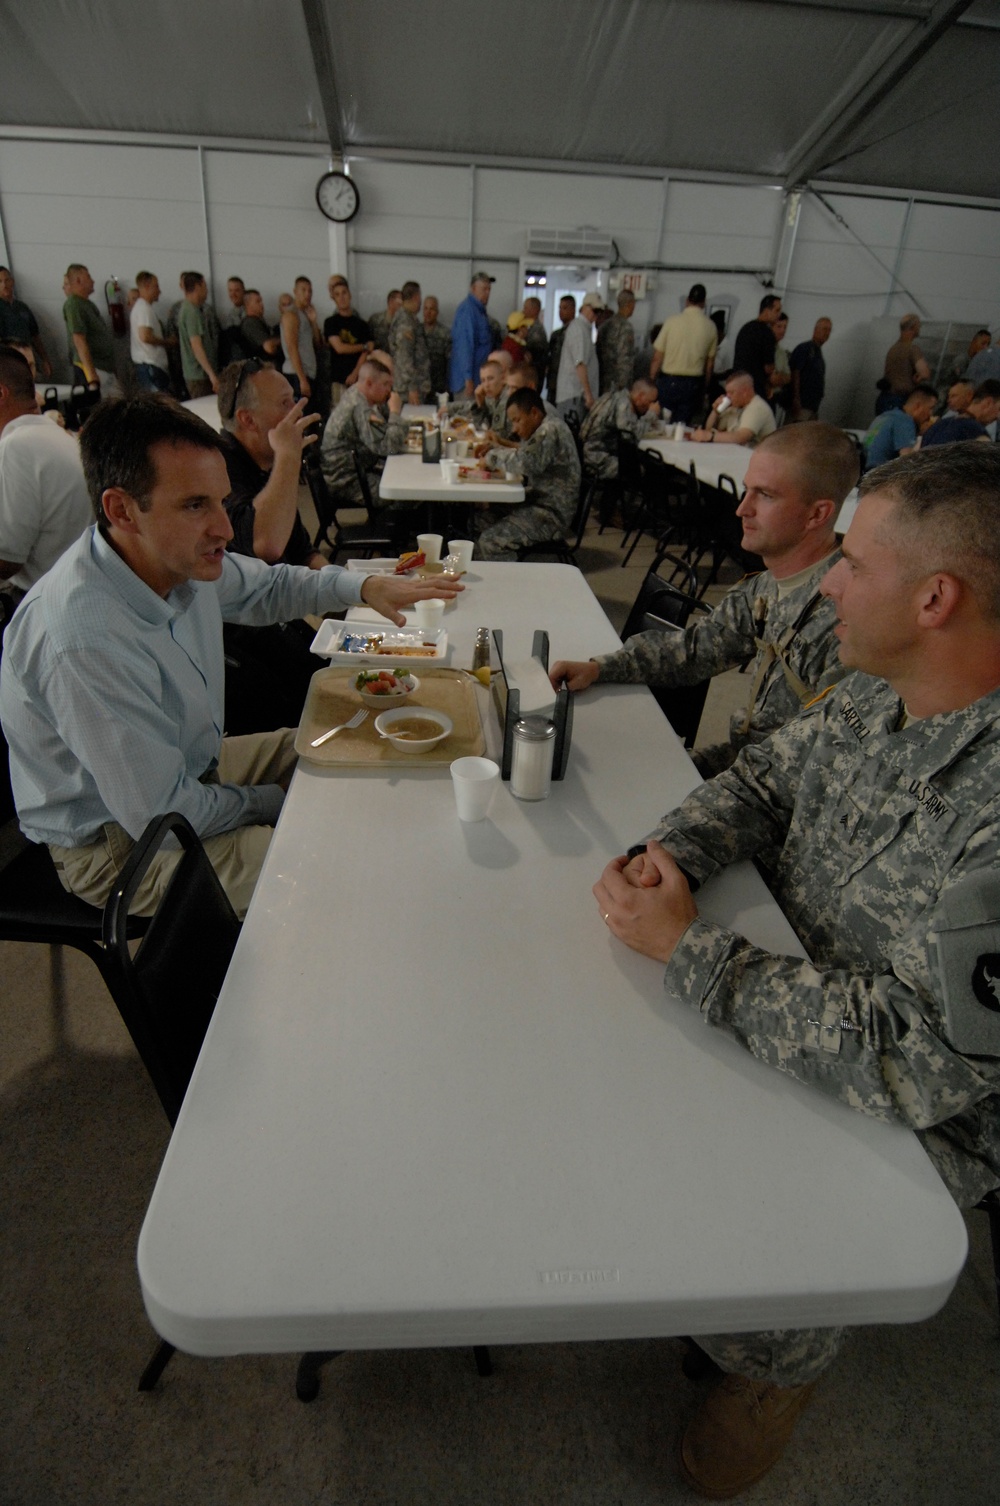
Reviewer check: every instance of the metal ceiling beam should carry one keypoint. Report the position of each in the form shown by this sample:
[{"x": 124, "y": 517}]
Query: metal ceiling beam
[
  {"x": 820, "y": 146},
  {"x": 314, "y": 14}
]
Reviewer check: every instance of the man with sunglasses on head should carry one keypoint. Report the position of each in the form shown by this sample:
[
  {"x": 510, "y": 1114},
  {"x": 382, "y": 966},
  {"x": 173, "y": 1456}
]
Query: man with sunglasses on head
[{"x": 264, "y": 436}]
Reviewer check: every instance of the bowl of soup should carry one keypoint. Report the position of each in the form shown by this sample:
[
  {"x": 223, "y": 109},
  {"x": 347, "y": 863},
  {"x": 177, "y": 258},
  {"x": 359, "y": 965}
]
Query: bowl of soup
[{"x": 413, "y": 729}]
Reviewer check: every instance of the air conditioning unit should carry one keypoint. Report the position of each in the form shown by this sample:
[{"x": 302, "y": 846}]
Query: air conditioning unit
[{"x": 583, "y": 244}]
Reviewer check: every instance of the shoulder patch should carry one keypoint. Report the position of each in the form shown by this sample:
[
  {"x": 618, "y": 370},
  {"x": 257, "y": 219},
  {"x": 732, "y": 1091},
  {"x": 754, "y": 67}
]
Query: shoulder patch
[{"x": 967, "y": 937}]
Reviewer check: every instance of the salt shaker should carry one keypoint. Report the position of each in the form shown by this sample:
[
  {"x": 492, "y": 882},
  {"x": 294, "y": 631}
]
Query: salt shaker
[
  {"x": 531, "y": 767},
  {"x": 481, "y": 656}
]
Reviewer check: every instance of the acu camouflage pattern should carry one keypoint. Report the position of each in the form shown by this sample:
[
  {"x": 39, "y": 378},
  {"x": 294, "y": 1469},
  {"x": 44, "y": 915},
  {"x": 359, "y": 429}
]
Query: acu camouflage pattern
[
  {"x": 537, "y": 342},
  {"x": 867, "y": 835},
  {"x": 355, "y": 426},
  {"x": 378, "y": 325},
  {"x": 782, "y": 1357},
  {"x": 615, "y": 352},
  {"x": 750, "y": 623},
  {"x": 438, "y": 339},
  {"x": 610, "y": 416},
  {"x": 411, "y": 361},
  {"x": 550, "y": 467}
]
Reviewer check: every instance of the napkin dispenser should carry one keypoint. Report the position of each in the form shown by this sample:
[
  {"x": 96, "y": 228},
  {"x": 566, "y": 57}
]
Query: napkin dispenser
[
  {"x": 508, "y": 696},
  {"x": 430, "y": 452}
]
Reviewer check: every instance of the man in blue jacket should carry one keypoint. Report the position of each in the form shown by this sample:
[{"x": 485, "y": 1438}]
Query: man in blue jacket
[{"x": 471, "y": 340}]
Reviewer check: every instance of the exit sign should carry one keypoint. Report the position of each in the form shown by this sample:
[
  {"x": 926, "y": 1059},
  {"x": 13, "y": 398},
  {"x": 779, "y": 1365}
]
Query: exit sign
[{"x": 634, "y": 282}]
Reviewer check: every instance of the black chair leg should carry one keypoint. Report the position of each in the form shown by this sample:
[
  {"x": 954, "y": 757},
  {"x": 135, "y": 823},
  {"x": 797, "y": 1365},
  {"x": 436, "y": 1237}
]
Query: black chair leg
[
  {"x": 484, "y": 1364},
  {"x": 161, "y": 1359},
  {"x": 307, "y": 1377}
]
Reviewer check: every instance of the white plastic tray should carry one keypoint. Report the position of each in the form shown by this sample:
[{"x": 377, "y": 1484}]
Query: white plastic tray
[{"x": 329, "y": 641}]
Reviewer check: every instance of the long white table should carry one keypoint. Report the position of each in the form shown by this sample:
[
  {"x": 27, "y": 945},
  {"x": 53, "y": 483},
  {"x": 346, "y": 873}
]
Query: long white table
[
  {"x": 710, "y": 461},
  {"x": 406, "y": 478},
  {"x": 439, "y": 1103}
]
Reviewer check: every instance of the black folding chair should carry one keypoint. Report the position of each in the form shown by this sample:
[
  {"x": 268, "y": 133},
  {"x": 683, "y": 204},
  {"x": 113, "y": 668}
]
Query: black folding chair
[
  {"x": 564, "y": 552},
  {"x": 361, "y": 539},
  {"x": 660, "y": 606},
  {"x": 167, "y": 990},
  {"x": 664, "y": 488}
]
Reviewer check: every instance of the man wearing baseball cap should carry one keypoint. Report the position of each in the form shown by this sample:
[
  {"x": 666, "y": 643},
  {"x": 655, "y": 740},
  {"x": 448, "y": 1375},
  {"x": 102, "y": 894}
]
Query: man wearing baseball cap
[
  {"x": 471, "y": 338},
  {"x": 577, "y": 382}
]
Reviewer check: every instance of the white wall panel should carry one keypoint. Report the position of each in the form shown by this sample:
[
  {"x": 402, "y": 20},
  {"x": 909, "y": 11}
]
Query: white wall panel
[
  {"x": 508, "y": 203},
  {"x": 117, "y": 209},
  {"x": 952, "y": 262},
  {"x": 420, "y": 207},
  {"x": 264, "y": 224},
  {"x": 720, "y": 225}
]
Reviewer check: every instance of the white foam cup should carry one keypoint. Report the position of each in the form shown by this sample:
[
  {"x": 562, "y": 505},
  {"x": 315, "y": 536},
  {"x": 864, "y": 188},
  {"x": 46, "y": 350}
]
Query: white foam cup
[
  {"x": 474, "y": 781},
  {"x": 461, "y": 549},
  {"x": 449, "y": 470},
  {"x": 429, "y": 611},
  {"x": 430, "y": 544}
]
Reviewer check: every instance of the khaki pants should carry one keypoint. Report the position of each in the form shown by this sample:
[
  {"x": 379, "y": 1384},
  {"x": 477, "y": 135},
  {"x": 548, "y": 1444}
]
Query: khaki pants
[{"x": 237, "y": 856}]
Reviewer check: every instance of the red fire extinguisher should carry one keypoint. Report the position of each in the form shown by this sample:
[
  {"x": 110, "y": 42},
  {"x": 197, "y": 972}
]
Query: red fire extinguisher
[{"x": 116, "y": 305}]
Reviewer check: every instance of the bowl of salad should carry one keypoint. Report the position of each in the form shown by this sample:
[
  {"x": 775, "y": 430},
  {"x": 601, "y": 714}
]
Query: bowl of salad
[{"x": 384, "y": 689}]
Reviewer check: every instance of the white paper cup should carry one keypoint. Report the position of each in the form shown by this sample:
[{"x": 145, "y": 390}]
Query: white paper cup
[
  {"x": 443, "y": 399},
  {"x": 474, "y": 781},
  {"x": 449, "y": 471},
  {"x": 678, "y": 431},
  {"x": 460, "y": 449},
  {"x": 429, "y": 612},
  {"x": 430, "y": 543},
  {"x": 461, "y": 549}
]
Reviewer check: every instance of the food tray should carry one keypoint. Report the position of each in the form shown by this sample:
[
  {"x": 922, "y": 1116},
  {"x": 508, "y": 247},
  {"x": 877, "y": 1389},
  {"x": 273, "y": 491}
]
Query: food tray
[
  {"x": 333, "y": 699},
  {"x": 388, "y": 567},
  {"x": 328, "y": 644}
]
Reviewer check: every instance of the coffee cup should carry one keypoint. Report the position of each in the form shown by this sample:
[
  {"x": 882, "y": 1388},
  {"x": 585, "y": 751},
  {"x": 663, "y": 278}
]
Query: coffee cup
[
  {"x": 474, "y": 781},
  {"x": 430, "y": 545},
  {"x": 461, "y": 552}
]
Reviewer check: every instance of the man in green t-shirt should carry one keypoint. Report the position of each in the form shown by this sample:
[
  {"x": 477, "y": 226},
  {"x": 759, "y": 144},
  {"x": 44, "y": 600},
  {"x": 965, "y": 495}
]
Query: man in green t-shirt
[
  {"x": 199, "y": 338},
  {"x": 91, "y": 348}
]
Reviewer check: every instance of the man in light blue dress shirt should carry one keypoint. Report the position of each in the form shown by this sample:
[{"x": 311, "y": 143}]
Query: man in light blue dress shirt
[{"x": 111, "y": 691}]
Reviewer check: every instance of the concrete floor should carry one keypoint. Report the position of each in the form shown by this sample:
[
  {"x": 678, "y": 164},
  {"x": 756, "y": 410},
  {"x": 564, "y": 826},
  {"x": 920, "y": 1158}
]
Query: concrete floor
[{"x": 909, "y": 1416}]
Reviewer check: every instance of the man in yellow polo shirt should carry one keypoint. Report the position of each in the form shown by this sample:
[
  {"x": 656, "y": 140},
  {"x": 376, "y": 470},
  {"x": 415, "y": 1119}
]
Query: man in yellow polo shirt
[{"x": 683, "y": 357}]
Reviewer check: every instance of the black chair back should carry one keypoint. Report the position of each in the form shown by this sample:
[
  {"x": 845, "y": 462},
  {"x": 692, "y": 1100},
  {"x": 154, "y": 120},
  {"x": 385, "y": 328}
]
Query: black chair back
[
  {"x": 363, "y": 539},
  {"x": 167, "y": 991},
  {"x": 661, "y": 606}
]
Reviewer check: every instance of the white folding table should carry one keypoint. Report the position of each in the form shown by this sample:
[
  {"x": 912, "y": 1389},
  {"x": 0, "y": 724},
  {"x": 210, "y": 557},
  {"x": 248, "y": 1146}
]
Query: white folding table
[
  {"x": 407, "y": 478},
  {"x": 439, "y": 1103},
  {"x": 710, "y": 461}
]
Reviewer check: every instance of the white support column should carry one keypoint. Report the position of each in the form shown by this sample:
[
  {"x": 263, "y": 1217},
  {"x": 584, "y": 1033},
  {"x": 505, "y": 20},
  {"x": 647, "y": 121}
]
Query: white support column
[
  {"x": 209, "y": 273},
  {"x": 903, "y": 236},
  {"x": 338, "y": 250}
]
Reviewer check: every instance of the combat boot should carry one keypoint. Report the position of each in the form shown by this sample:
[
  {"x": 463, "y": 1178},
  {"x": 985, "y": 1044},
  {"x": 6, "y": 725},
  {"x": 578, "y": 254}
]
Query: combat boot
[{"x": 741, "y": 1429}]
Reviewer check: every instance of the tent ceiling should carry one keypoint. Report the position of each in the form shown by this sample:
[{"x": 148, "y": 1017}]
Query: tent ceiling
[{"x": 893, "y": 93}]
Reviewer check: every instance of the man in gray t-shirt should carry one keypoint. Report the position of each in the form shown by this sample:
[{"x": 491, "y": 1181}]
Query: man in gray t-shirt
[{"x": 577, "y": 383}]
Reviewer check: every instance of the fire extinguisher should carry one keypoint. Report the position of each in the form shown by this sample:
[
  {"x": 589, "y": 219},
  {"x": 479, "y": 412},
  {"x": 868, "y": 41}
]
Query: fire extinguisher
[{"x": 116, "y": 305}]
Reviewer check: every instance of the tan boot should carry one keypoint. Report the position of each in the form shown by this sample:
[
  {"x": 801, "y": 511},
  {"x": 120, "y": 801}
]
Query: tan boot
[{"x": 741, "y": 1429}]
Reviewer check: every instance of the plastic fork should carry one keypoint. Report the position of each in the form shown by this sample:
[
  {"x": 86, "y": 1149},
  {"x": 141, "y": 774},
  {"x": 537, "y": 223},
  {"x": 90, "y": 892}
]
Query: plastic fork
[{"x": 356, "y": 720}]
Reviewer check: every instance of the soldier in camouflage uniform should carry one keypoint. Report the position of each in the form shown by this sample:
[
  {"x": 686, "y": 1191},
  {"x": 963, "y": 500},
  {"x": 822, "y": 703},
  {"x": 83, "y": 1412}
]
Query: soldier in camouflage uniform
[
  {"x": 438, "y": 337},
  {"x": 362, "y": 424},
  {"x": 633, "y": 412},
  {"x": 778, "y": 619},
  {"x": 876, "y": 818},
  {"x": 487, "y": 408},
  {"x": 547, "y": 460},
  {"x": 380, "y": 324},
  {"x": 616, "y": 346},
  {"x": 408, "y": 347}
]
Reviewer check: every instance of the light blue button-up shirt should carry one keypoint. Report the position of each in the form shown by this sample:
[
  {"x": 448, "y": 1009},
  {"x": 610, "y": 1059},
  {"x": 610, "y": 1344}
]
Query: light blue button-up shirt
[{"x": 112, "y": 697}]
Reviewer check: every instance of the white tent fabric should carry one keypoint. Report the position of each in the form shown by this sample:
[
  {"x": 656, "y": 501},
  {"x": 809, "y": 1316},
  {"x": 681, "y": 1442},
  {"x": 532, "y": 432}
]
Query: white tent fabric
[{"x": 774, "y": 88}]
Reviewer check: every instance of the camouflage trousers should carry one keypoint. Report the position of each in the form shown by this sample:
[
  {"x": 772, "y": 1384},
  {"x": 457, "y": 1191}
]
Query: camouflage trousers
[
  {"x": 784, "y": 1357},
  {"x": 522, "y": 525}
]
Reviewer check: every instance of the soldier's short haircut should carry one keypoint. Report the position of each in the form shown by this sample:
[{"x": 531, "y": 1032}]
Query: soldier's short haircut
[
  {"x": 190, "y": 280},
  {"x": 568, "y": 298},
  {"x": 15, "y": 374},
  {"x": 643, "y": 384},
  {"x": 526, "y": 400},
  {"x": 947, "y": 514},
  {"x": 393, "y": 293},
  {"x": 824, "y": 457},
  {"x": 697, "y": 293},
  {"x": 373, "y": 368},
  {"x": 626, "y": 298},
  {"x": 252, "y": 292},
  {"x": 409, "y": 290},
  {"x": 239, "y": 280},
  {"x": 922, "y": 389},
  {"x": 522, "y": 375},
  {"x": 989, "y": 388},
  {"x": 302, "y": 278},
  {"x": 116, "y": 441}
]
